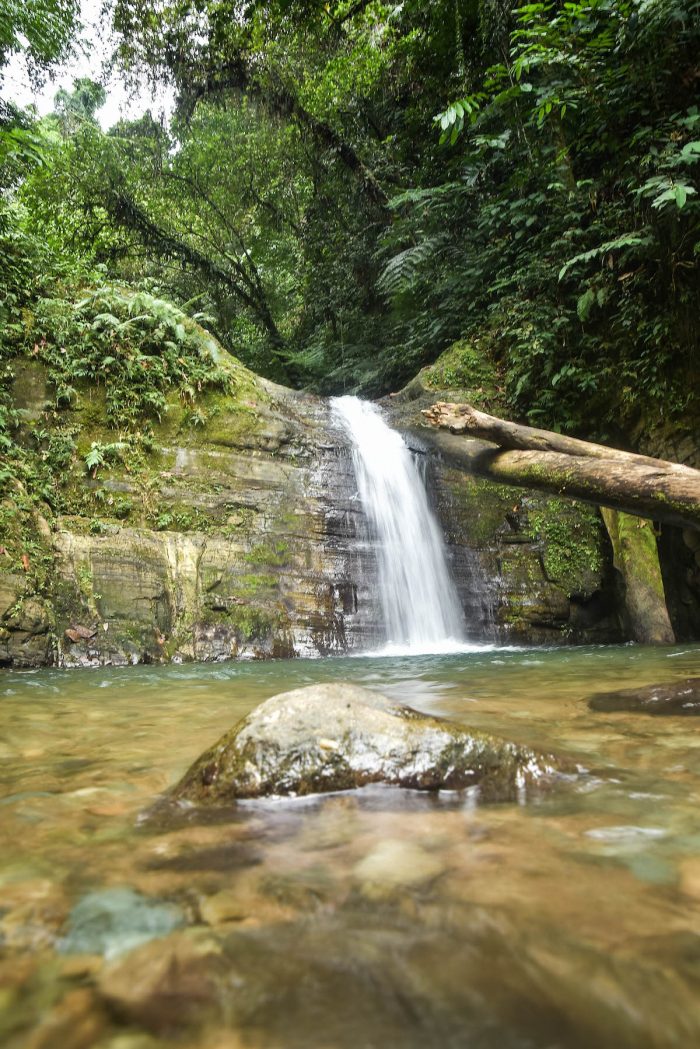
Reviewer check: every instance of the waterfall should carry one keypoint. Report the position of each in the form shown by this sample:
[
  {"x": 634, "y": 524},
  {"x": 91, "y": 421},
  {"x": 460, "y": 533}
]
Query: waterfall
[{"x": 419, "y": 601}]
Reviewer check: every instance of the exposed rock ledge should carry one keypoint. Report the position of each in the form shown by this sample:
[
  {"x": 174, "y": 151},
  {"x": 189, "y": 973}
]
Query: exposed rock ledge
[{"x": 337, "y": 737}]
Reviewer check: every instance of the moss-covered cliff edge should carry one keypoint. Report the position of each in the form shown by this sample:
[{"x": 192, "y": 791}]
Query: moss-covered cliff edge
[
  {"x": 162, "y": 502},
  {"x": 215, "y": 541}
]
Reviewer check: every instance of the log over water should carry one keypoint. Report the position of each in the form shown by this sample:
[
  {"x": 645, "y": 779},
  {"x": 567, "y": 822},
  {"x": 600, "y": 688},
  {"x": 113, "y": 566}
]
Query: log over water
[{"x": 532, "y": 458}]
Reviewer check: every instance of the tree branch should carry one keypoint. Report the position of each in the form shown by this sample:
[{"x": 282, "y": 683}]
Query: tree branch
[
  {"x": 279, "y": 99},
  {"x": 128, "y": 214}
]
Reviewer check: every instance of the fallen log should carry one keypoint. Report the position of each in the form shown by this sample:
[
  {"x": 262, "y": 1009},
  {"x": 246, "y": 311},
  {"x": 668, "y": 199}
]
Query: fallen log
[{"x": 527, "y": 457}]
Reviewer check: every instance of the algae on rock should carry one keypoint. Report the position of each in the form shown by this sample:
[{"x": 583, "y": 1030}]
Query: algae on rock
[{"x": 636, "y": 558}]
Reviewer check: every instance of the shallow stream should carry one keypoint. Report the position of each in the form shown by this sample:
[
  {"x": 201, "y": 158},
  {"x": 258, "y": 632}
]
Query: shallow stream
[{"x": 377, "y": 918}]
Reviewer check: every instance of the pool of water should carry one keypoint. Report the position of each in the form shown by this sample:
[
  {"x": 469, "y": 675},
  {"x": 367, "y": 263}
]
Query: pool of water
[{"x": 375, "y": 918}]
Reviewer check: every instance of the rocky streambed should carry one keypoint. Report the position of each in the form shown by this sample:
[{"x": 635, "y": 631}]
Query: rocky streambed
[{"x": 376, "y": 916}]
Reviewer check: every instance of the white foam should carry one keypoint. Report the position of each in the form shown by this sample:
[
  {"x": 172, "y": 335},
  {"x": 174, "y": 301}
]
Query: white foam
[{"x": 419, "y": 601}]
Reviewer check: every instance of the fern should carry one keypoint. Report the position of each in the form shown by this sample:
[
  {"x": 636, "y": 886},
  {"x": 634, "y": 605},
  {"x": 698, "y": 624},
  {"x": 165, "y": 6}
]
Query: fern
[
  {"x": 427, "y": 195},
  {"x": 401, "y": 273},
  {"x": 627, "y": 240}
]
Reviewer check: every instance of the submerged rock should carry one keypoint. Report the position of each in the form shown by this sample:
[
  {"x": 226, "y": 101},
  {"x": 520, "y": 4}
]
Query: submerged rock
[
  {"x": 677, "y": 697},
  {"x": 336, "y": 737},
  {"x": 171, "y": 983},
  {"x": 395, "y": 865},
  {"x": 113, "y": 921},
  {"x": 76, "y": 1021}
]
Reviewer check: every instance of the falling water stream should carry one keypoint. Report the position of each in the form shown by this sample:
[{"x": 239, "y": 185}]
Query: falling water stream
[{"x": 420, "y": 607}]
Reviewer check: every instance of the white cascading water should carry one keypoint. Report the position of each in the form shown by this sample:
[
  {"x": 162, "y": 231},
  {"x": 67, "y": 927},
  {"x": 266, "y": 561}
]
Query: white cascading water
[{"x": 419, "y": 601}]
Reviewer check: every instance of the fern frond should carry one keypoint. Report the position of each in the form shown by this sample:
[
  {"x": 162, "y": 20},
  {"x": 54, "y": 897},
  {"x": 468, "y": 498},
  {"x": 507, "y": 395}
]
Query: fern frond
[
  {"x": 401, "y": 273},
  {"x": 627, "y": 240}
]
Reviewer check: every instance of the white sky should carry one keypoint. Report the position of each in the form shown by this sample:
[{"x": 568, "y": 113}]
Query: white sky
[{"x": 96, "y": 45}]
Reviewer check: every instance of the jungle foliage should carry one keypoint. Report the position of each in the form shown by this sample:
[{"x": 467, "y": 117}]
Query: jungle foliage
[{"x": 348, "y": 188}]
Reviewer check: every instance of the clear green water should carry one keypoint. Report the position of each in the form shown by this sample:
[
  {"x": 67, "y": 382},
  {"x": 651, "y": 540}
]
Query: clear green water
[{"x": 377, "y": 918}]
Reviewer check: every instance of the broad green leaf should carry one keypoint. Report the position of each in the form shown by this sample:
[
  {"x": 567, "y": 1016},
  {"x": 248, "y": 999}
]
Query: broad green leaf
[{"x": 690, "y": 152}]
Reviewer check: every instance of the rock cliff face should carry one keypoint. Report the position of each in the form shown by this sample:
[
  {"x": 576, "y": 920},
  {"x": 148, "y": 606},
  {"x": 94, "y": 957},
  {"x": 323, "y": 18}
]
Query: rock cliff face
[
  {"x": 235, "y": 538},
  {"x": 236, "y": 534}
]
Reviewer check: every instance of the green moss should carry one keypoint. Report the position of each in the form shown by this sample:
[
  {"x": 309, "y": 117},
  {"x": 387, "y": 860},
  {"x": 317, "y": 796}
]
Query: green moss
[
  {"x": 113, "y": 363},
  {"x": 634, "y": 546},
  {"x": 478, "y": 507},
  {"x": 25, "y": 546},
  {"x": 636, "y": 559},
  {"x": 90, "y": 408},
  {"x": 256, "y": 584},
  {"x": 238, "y": 519},
  {"x": 255, "y": 624},
  {"x": 30, "y": 392},
  {"x": 467, "y": 366},
  {"x": 273, "y": 552},
  {"x": 229, "y": 429},
  {"x": 572, "y": 539},
  {"x": 646, "y": 552},
  {"x": 85, "y": 580},
  {"x": 683, "y": 509}
]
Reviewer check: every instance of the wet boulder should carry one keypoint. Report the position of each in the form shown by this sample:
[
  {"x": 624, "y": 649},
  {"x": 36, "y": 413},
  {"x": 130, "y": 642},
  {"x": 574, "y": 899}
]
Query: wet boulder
[
  {"x": 676, "y": 697},
  {"x": 337, "y": 737}
]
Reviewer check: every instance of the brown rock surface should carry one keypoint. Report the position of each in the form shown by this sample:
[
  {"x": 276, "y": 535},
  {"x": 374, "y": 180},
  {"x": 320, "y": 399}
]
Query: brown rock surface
[{"x": 337, "y": 737}]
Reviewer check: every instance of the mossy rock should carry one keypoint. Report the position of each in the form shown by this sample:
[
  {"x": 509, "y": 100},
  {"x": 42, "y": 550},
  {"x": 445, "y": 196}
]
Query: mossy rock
[
  {"x": 30, "y": 389},
  {"x": 465, "y": 372},
  {"x": 25, "y": 624},
  {"x": 573, "y": 543},
  {"x": 337, "y": 737},
  {"x": 467, "y": 368},
  {"x": 476, "y": 510}
]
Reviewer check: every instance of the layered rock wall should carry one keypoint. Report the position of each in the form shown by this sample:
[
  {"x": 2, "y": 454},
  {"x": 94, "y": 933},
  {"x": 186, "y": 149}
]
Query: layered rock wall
[
  {"x": 530, "y": 568},
  {"x": 234, "y": 538},
  {"x": 237, "y": 533}
]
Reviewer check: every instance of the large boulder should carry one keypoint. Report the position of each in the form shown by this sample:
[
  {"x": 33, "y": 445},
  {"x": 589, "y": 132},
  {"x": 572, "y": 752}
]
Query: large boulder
[
  {"x": 25, "y": 624},
  {"x": 337, "y": 736},
  {"x": 676, "y": 697}
]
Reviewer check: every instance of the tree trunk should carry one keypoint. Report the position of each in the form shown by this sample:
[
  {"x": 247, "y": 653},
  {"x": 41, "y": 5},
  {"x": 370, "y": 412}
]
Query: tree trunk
[
  {"x": 636, "y": 558},
  {"x": 531, "y": 458}
]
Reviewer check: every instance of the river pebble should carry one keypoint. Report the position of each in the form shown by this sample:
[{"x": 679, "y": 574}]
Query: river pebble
[{"x": 395, "y": 864}]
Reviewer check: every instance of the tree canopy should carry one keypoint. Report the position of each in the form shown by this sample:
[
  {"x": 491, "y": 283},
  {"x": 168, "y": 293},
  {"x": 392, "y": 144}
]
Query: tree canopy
[{"x": 346, "y": 189}]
